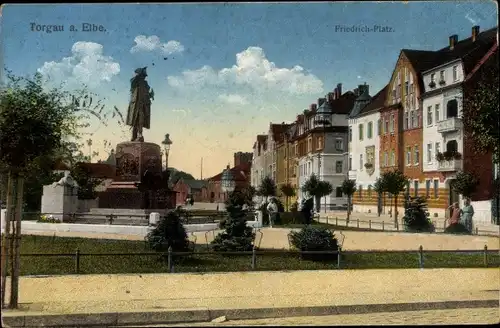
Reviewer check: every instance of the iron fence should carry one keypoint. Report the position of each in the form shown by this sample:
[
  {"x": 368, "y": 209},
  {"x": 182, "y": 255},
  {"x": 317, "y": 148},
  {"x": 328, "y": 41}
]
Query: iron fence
[
  {"x": 170, "y": 254},
  {"x": 377, "y": 225}
]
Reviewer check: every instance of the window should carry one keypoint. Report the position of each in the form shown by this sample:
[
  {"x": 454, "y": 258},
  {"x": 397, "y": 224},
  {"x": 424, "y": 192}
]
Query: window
[
  {"x": 407, "y": 88},
  {"x": 427, "y": 188},
  {"x": 429, "y": 115},
  {"x": 393, "y": 95},
  {"x": 436, "y": 188},
  {"x": 320, "y": 143},
  {"x": 339, "y": 144},
  {"x": 433, "y": 77},
  {"x": 412, "y": 88},
  {"x": 393, "y": 158},
  {"x": 412, "y": 119},
  {"x": 360, "y": 161},
  {"x": 437, "y": 147},
  {"x": 452, "y": 108},
  {"x": 437, "y": 117},
  {"x": 417, "y": 120},
  {"x": 370, "y": 191},
  {"x": 360, "y": 191},
  {"x": 452, "y": 146},
  {"x": 407, "y": 189},
  {"x": 338, "y": 167},
  {"x": 350, "y": 134},
  {"x": 350, "y": 162},
  {"x": 386, "y": 159},
  {"x": 392, "y": 124},
  {"x": 309, "y": 145},
  {"x": 429, "y": 153},
  {"x": 379, "y": 127},
  {"x": 338, "y": 192},
  {"x": 415, "y": 186},
  {"x": 408, "y": 155},
  {"x": 386, "y": 126},
  {"x": 406, "y": 120},
  {"x": 455, "y": 73},
  {"x": 441, "y": 76},
  {"x": 369, "y": 133},
  {"x": 361, "y": 132},
  {"x": 416, "y": 155}
]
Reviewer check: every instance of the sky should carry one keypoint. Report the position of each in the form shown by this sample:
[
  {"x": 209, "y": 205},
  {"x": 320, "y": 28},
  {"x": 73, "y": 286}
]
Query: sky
[{"x": 222, "y": 72}]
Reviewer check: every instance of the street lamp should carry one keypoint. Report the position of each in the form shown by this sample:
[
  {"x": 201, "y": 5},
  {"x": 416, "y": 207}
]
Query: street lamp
[
  {"x": 227, "y": 182},
  {"x": 166, "y": 145}
]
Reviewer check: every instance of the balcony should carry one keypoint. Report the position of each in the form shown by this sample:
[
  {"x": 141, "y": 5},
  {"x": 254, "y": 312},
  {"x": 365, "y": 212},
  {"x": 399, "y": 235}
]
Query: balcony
[
  {"x": 353, "y": 174},
  {"x": 450, "y": 166},
  {"x": 451, "y": 124}
]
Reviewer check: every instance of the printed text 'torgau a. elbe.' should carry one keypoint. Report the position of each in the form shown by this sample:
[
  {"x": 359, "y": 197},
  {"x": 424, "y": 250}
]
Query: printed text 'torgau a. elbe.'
[{"x": 83, "y": 27}]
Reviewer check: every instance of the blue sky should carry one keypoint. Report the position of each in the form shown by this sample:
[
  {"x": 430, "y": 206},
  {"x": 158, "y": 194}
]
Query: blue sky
[{"x": 230, "y": 68}]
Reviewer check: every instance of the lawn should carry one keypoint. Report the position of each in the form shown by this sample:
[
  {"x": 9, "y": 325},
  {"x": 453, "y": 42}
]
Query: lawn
[{"x": 273, "y": 260}]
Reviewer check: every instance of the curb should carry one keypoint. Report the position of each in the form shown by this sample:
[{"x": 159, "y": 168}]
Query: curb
[{"x": 18, "y": 319}]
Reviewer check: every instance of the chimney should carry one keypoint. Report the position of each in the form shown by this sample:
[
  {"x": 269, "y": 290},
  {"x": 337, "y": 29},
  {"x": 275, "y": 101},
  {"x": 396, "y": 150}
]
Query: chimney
[
  {"x": 453, "y": 41},
  {"x": 475, "y": 33},
  {"x": 321, "y": 101},
  {"x": 334, "y": 94},
  {"x": 313, "y": 107},
  {"x": 364, "y": 88},
  {"x": 339, "y": 90}
]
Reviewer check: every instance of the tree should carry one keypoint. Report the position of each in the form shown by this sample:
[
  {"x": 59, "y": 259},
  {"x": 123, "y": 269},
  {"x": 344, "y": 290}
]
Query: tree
[
  {"x": 267, "y": 188},
  {"x": 416, "y": 216},
  {"x": 35, "y": 125},
  {"x": 86, "y": 183},
  {"x": 395, "y": 183},
  {"x": 238, "y": 236},
  {"x": 379, "y": 188},
  {"x": 169, "y": 233},
  {"x": 288, "y": 191},
  {"x": 481, "y": 111},
  {"x": 317, "y": 189},
  {"x": 348, "y": 189},
  {"x": 465, "y": 184}
]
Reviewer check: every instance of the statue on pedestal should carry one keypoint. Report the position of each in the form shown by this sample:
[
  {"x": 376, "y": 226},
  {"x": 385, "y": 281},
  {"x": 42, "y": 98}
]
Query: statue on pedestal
[{"x": 139, "y": 109}]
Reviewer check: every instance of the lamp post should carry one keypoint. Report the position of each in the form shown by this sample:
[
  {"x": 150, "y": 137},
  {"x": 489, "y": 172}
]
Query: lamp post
[
  {"x": 227, "y": 182},
  {"x": 166, "y": 145}
]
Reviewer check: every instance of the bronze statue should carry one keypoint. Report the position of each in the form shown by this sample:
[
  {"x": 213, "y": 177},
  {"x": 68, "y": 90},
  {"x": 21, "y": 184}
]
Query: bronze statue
[{"x": 139, "y": 109}]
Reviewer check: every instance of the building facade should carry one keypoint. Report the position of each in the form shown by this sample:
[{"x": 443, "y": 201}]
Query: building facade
[
  {"x": 364, "y": 149},
  {"x": 258, "y": 160}
]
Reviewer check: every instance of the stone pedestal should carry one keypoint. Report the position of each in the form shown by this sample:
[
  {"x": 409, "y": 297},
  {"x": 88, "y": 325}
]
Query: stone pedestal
[
  {"x": 59, "y": 200},
  {"x": 133, "y": 158}
]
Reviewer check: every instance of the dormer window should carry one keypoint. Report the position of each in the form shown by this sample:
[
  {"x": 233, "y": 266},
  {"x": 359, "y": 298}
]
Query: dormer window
[
  {"x": 441, "y": 78},
  {"x": 455, "y": 73},
  {"x": 432, "y": 83}
]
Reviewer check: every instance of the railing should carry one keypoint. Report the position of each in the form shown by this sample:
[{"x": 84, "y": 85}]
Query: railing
[
  {"x": 377, "y": 225},
  {"x": 170, "y": 254},
  {"x": 450, "y": 165},
  {"x": 449, "y": 125},
  {"x": 187, "y": 217}
]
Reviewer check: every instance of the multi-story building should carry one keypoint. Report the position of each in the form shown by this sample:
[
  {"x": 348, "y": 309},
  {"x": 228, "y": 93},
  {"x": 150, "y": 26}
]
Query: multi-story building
[
  {"x": 258, "y": 160},
  {"x": 281, "y": 144},
  {"x": 364, "y": 148},
  {"x": 321, "y": 144}
]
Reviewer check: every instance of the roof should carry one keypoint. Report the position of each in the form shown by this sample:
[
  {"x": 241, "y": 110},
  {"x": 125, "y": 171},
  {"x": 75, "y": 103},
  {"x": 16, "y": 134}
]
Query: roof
[
  {"x": 376, "y": 103},
  {"x": 240, "y": 173},
  {"x": 195, "y": 184},
  {"x": 343, "y": 104},
  {"x": 361, "y": 101},
  {"x": 60, "y": 165},
  {"x": 98, "y": 170},
  {"x": 486, "y": 59},
  {"x": 278, "y": 131},
  {"x": 261, "y": 140}
]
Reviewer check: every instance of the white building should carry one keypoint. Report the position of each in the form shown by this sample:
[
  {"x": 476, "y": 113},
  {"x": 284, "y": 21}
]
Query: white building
[
  {"x": 364, "y": 144},
  {"x": 327, "y": 159},
  {"x": 442, "y": 127},
  {"x": 258, "y": 160}
]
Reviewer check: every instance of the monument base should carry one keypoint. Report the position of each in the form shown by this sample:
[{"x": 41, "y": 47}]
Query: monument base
[{"x": 133, "y": 158}]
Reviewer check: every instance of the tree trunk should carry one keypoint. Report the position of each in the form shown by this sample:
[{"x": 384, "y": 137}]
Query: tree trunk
[
  {"x": 286, "y": 203},
  {"x": 14, "y": 294},
  {"x": 396, "y": 211},
  {"x": 318, "y": 203},
  {"x": 6, "y": 238}
]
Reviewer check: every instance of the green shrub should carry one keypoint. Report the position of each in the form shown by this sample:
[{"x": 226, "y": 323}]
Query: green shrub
[
  {"x": 416, "y": 218},
  {"x": 48, "y": 219},
  {"x": 315, "y": 238},
  {"x": 238, "y": 236},
  {"x": 169, "y": 233},
  {"x": 457, "y": 228}
]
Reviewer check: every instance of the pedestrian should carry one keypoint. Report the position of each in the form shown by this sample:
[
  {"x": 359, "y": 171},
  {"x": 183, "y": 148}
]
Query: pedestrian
[
  {"x": 467, "y": 214},
  {"x": 272, "y": 210},
  {"x": 455, "y": 213}
]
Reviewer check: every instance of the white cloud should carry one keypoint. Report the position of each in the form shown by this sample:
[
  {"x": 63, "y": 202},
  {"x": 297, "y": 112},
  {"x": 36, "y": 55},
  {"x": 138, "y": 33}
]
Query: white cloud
[
  {"x": 87, "y": 65},
  {"x": 254, "y": 70},
  {"x": 152, "y": 43},
  {"x": 233, "y": 99}
]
